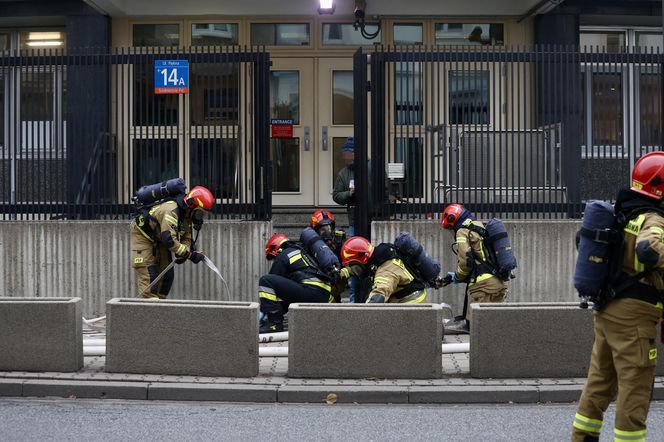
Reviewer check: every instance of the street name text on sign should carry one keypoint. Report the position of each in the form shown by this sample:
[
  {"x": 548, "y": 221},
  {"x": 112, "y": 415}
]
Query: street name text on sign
[{"x": 171, "y": 76}]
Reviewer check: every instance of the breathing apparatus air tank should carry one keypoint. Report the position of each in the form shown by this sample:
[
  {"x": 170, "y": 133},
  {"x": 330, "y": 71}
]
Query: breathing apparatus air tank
[
  {"x": 316, "y": 247},
  {"x": 413, "y": 252},
  {"x": 149, "y": 194},
  {"x": 595, "y": 243}
]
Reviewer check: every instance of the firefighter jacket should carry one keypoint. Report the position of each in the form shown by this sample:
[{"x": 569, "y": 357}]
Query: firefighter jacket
[
  {"x": 293, "y": 263},
  {"x": 643, "y": 252},
  {"x": 473, "y": 265},
  {"x": 167, "y": 224},
  {"x": 393, "y": 281}
]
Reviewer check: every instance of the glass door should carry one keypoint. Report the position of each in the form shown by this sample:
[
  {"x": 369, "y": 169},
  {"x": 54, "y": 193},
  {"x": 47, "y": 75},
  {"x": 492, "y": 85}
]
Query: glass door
[
  {"x": 335, "y": 122},
  {"x": 292, "y": 97}
]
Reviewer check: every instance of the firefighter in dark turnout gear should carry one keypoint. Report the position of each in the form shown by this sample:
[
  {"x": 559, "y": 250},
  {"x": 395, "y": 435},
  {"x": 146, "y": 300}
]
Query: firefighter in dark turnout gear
[
  {"x": 473, "y": 266},
  {"x": 322, "y": 221},
  {"x": 164, "y": 229},
  {"x": 293, "y": 277},
  {"x": 393, "y": 281},
  {"x": 624, "y": 354}
]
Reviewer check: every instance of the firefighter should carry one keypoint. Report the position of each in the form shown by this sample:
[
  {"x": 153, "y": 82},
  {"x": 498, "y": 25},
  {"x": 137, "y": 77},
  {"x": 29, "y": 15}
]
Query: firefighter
[
  {"x": 473, "y": 266},
  {"x": 624, "y": 355},
  {"x": 393, "y": 282},
  {"x": 293, "y": 277},
  {"x": 322, "y": 221},
  {"x": 163, "y": 229}
]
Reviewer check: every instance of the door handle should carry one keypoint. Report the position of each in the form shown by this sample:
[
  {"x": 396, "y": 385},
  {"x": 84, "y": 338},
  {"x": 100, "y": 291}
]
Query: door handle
[
  {"x": 324, "y": 138},
  {"x": 307, "y": 138}
]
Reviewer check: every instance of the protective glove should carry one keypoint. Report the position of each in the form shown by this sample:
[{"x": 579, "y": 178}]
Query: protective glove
[
  {"x": 196, "y": 257},
  {"x": 451, "y": 278},
  {"x": 181, "y": 260}
]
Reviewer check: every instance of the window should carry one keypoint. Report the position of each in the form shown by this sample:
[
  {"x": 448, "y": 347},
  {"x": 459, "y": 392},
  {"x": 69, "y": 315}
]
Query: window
[
  {"x": 214, "y": 93},
  {"x": 36, "y": 96},
  {"x": 338, "y": 162},
  {"x": 280, "y": 34},
  {"x": 285, "y": 95},
  {"x": 408, "y": 93},
  {"x": 5, "y": 41},
  {"x": 650, "y": 41},
  {"x": 342, "y": 97},
  {"x": 602, "y": 41},
  {"x": 155, "y": 160},
  {"x": 214, "y": 34},
  {"x": 346, "y": 34},
  {"x": 156, "y": 35},
  {"x": 469, "y": 97},
  {"x": 408, "y": 34},
  {"x": 650, "y": 108},
  {"x": 150, "y": 109},
  {"x": 285, "y": 154},
  {"x": 607, "y": 109},
  {"x": 469, "y": 34},
  {"x": 214, "y": 165},
  {"x": 410, "y": 152}
]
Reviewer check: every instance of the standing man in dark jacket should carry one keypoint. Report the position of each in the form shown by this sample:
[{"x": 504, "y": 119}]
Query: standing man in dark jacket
[
  {"x": 293, "y": 277},
  {"x": 344, "y": 185},
  {"x": 624, "y": 354}
]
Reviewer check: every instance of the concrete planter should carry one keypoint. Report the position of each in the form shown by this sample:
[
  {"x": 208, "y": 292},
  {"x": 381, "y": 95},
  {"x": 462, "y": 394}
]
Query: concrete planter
[
  {"x": 196, "y": 338},
  {"x": 41, "y": 334},
  {"x": 362, "y": 340}
]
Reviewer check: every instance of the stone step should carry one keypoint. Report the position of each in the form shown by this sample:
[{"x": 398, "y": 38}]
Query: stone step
[{"x": 292, "y": 220}]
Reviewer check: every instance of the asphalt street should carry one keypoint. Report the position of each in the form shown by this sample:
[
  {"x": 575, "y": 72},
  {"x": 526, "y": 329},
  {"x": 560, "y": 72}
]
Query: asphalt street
[{"x": 31, "y": 419}]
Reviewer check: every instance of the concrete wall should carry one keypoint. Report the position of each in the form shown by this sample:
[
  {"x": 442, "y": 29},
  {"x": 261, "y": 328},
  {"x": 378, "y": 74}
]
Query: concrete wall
[
  {"x": 91, "y": 260},
  {"x": 545, "y": 253}
]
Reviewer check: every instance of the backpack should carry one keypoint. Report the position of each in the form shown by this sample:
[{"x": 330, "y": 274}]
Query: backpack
[
  {"x": 412, "y": 253},
  {"x": 153, "y": 194},
  {"x": 598, "y": 275},
  {"x": 501, "y": 258}
]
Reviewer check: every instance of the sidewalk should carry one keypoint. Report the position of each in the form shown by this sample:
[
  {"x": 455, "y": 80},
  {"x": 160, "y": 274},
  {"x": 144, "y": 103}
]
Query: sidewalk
[{"x": 272, "y": 385}]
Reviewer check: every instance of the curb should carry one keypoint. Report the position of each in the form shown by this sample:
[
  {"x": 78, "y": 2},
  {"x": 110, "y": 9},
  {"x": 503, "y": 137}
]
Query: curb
[{"x": 274, "y": 393}]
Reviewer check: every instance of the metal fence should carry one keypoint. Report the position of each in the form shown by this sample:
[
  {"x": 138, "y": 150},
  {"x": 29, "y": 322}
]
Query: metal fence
[
  {"x": 81, "y": 131},
  {"x": 507, "y": 131}
]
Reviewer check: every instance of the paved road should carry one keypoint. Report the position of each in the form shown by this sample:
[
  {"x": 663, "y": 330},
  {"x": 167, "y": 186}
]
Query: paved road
[{"x": 108, "y": 420}]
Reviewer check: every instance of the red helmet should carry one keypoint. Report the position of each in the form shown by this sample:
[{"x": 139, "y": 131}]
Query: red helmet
[
  {"x": 357, "y": 249},
  {"x": 199, "y": 196},
  {"x": 274, "y": 244},
  {"x": 451, "y": 215},
  {"x": 648, "y": 175},
  {"x": 320, "y": 218}
]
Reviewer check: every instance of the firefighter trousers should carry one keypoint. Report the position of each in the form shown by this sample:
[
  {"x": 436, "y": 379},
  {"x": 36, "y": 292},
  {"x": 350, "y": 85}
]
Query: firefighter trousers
[
  {"x": 149, "y": 260},
  {"x": 623, "y": 361},
  {"x": 277, "y": 292}
]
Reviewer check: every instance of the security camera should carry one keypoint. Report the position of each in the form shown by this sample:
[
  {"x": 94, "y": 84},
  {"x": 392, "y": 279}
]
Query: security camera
[{"x": 360, "y": 6}]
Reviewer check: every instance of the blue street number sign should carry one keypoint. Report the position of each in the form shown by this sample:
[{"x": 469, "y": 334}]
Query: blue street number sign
[{"x": 171, "y": 76}]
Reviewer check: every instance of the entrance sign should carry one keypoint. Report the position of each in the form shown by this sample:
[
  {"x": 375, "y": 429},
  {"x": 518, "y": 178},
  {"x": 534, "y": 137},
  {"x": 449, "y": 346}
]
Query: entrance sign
[
  {"x": 171, "y": 76},
  {"x": 281, "y": 128}
]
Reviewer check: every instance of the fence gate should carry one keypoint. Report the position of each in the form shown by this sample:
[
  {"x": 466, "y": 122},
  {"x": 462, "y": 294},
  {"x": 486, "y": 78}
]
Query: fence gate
[
  {"x": 510, "y": 132},
  {"x": 82, "y": 130}
]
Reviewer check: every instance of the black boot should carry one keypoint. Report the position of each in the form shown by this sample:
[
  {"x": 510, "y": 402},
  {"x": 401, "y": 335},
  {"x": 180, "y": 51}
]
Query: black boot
[{"x": 272, "y": 323}]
